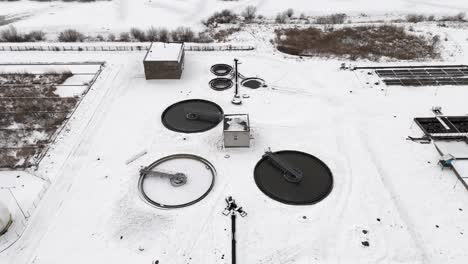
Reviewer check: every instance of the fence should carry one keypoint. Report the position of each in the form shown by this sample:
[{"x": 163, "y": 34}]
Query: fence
[{"x": 119, "y": 47}]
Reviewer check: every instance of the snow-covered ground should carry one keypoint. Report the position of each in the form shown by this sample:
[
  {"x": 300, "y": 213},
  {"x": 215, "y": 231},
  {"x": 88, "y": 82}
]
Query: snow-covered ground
[
  {"x": 120, "y": 15},
  {"x": 390, "y": 187},
  {"x": 388, "y": 191},
  {"x": 21, "y": 192}
]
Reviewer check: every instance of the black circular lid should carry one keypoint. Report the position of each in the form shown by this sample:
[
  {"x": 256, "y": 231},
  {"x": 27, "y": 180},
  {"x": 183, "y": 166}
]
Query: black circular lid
[
  {"x": 253, "y": 83},
  {"x": 221, "y": 69},
  {"x": 293, "y": 177},
  {"x": 192, "y": 116}
]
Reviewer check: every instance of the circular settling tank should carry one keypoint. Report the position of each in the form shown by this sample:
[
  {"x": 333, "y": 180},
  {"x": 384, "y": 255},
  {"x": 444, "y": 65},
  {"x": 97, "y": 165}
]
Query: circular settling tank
[
  {"x": 176, "y": 181},
  {"x": 253, "y": 83},
  {"x": 192, "y": 116},
  {"x": 293, "y": 177},
  {"x": 5, "y": 219},
  {"x": 221, "y": 69},
  {"x": 220, "y": 84}
]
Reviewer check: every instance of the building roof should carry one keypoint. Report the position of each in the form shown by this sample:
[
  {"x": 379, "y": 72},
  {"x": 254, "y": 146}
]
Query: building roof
[
  {"x": 238, "y": 122},
  {"x": 160, "y": 51}
]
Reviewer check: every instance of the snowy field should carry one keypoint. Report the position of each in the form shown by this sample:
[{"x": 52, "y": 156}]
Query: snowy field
[
  {"x": 390, "y": 187},
  {"x": 120, "y": 15}
]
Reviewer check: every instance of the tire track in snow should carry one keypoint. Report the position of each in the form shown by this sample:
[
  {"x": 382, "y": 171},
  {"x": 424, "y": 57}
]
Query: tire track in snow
[{"x": 389, "y": 189}]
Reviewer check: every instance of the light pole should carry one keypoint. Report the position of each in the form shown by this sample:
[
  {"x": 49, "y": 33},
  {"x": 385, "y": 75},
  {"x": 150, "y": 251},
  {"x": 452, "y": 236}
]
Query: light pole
[{"x": 233, "y": 209}]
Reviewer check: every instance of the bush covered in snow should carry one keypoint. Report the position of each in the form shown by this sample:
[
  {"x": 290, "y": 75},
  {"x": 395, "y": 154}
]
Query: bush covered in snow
[
  {"x": 224, "y": 17},
  {"x": 331, "y": 19},
  {"x": 71, "y": 35},
  {"x": 249, "y": 13},
  {"x": 11, "y": 34},
  {"x": 138, "y": 34}
]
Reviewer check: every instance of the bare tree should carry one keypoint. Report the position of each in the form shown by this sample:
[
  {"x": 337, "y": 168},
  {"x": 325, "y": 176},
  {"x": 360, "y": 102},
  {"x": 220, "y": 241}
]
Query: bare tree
[{"x": 249, "y": 13}]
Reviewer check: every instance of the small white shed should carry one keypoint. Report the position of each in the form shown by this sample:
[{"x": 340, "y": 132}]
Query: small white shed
[{"x": 236, "y": 131}]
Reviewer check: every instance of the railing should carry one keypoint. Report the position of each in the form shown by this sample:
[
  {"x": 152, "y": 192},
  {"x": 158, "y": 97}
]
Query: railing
[{"x": 122, "y": 47}]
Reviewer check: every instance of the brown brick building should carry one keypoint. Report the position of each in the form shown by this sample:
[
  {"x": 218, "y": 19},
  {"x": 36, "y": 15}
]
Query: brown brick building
[{"x": 164, "y": 61}]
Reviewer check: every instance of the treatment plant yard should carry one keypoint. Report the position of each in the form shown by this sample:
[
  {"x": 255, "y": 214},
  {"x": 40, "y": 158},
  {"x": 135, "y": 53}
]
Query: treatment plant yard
[
  {"x": 389, "y": 193},
  {"x": 81, "y": 129}
]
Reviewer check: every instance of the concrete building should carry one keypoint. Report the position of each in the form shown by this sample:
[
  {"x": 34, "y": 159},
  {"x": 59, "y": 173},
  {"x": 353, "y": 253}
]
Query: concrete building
[
  {"x": 164, "y": 61},
  {"x": 236, "y": 131}
]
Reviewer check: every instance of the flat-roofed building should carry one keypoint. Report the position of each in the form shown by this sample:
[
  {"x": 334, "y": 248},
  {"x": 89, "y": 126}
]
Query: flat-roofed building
[{"x": 164, "y": 61}]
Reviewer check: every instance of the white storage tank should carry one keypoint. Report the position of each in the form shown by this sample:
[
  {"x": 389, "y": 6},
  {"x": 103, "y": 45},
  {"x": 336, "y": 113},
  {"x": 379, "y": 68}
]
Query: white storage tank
[{"x": 5, "y": 219}]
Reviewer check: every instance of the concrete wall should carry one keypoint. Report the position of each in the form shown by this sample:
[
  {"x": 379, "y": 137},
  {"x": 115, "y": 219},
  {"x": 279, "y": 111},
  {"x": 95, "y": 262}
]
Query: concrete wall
[
  {"x": 236, "y": 139},
  {"x": 164, "y": 69}
]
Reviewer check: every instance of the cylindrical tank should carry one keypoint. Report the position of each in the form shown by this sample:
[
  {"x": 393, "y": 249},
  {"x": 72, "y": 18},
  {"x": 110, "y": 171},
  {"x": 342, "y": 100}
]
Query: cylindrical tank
[{"x": 5, "y": 219}]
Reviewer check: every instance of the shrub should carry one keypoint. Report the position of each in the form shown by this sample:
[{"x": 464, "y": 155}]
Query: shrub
[
  {"x": 111, "y": 37},
  {"x": 124, "y": 37},
  {"x": 249, "y": 13},
  {"x": 163, "y": 35},
  {"x": 183, "y": 34},
  {"x": 224, "y": 34},
  {"x": 414, "y": 18},
  {"x": 100, "y": 38},
  {"x": 224, "y": 17},
  {"x": 435, "y": 41},
  {"x": 71, "y": 35},
  {"x": 281, "y": 18},
  {"x": 460, "y": 17},
  {"x": 11, "y": 35},
  {"x": 36, "y": 35},
  {"x": 152, "y": 34},
  {"x": 289, "y": 12},
  {"x": 203, "y": 37},
  {"x": 331, "y": 19},
  {"x": 138, "y": 34}
]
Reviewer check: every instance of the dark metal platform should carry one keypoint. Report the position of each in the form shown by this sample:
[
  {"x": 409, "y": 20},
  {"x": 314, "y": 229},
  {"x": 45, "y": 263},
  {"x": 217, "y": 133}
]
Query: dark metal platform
[
  {"x": 192, "y": 116},
  {"x": 422, "y": 75},
  {"x": 293, "y": 177},
  {"x": 444, "y": 127}
]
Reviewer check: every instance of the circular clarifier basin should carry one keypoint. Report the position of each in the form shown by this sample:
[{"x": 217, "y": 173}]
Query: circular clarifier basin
[
  {"x": 307, "y": 180},
  {"x": 192, "y": 116},
  {"x": 176, "y": 181}
]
